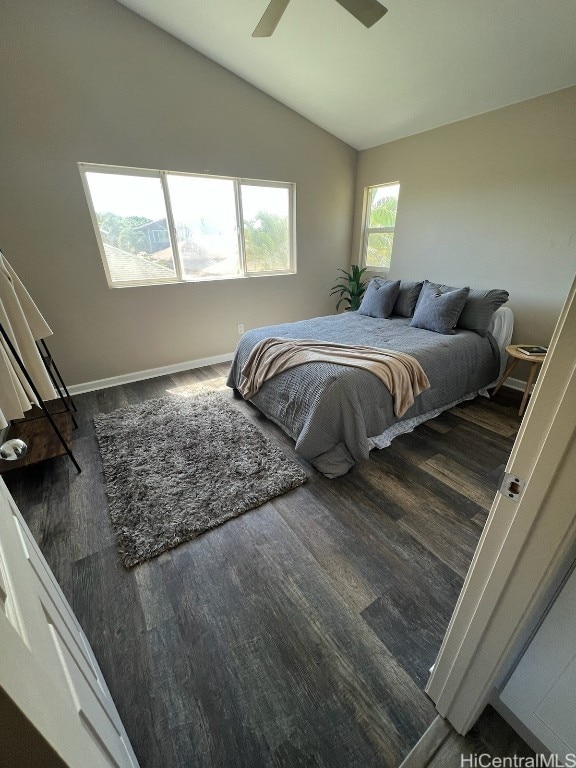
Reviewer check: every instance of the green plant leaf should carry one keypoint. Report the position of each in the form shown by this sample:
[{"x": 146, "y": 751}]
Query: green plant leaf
[
  {"x": 340, "y": 302},
  {"x": 351, "y": 288}
]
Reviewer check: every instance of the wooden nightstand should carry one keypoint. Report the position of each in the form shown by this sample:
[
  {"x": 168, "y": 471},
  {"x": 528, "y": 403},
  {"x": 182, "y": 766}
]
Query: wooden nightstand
[{"x": 515, "y": 356}]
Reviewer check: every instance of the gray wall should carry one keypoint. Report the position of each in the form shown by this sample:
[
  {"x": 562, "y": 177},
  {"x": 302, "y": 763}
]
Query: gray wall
[
  {"x": 88, "y": 80},
  {"x": 488, "y": 202}
]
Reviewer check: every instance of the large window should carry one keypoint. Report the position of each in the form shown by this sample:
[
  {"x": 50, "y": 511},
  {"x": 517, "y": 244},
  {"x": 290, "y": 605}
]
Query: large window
[
  {"x": 166, "y": 227},
  {"x": 380, "y": 205}
]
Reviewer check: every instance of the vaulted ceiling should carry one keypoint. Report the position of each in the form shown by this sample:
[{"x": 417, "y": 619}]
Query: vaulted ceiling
[{"x": 422, "y": 65}]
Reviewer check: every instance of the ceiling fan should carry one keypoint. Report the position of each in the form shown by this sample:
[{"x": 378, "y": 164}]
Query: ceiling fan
[{"x": 366, "y": 11}]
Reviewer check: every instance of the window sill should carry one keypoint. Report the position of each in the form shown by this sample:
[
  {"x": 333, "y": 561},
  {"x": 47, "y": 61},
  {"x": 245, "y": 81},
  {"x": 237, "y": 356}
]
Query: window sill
[
  {"x": 379, "y": 270},
  {"x": 188, "y": 280}
]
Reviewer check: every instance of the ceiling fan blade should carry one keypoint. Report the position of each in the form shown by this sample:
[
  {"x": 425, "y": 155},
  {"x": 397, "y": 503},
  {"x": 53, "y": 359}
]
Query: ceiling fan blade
[
  {"x": 368, "y": 12},
  {"x": 270, "y": 18}
]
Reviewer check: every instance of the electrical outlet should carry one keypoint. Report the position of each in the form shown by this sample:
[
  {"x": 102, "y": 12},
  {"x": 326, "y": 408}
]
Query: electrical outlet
[{"x": 240, "y": 329}]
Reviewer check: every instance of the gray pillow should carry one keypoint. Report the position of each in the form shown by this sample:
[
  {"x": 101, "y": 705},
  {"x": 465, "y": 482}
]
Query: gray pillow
[
  {"x": 379, "y": 298},
  {"x": 407, "y": 298},
  {"x": 479, "y": 308},
  {"x": 437, "y": 310}
]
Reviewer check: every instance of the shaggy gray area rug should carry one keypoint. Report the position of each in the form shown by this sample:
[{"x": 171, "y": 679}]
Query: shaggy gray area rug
[{"x": 176, "y": 467}]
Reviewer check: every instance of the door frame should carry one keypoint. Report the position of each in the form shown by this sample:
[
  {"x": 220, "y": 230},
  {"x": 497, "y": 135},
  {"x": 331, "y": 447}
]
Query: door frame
[{"x": 526, "y": 543}]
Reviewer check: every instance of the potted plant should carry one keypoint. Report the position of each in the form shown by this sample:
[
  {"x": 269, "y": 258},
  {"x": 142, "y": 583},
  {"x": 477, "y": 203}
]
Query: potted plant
[{"x": 351, "y": 289}]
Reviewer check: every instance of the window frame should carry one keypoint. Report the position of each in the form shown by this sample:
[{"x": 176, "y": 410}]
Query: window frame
[
  {"x": 366, "y": 230},
  {"x": 179, "y": 277}
]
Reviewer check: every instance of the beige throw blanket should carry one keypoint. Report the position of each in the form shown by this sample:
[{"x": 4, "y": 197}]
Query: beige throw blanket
[{"x": 402, "y": 374}]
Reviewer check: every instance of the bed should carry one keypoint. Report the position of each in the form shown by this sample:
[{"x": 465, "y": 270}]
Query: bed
[{"x": 336, "y": 414}]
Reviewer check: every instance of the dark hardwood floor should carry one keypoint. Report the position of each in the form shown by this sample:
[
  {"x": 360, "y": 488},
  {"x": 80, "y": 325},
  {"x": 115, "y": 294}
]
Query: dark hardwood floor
[
  {"x": 298, "y": 634},
  {"x": 491, "y": 737}
]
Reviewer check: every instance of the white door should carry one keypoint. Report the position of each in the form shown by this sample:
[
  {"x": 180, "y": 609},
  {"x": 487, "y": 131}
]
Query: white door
[
  {"x": 542, "y": 689},
  {"x": 47, "y": 666},
  {"x": 526, "y": 543}
]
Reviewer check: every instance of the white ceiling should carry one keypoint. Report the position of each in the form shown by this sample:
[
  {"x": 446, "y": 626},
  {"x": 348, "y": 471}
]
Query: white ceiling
[{"x": 423, "y": 65}]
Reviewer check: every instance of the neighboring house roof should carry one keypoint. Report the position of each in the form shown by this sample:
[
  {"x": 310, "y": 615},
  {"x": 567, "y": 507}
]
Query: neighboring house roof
[
  {"x": 162, "y": 222},
  {"x": 125, "y": 266}
]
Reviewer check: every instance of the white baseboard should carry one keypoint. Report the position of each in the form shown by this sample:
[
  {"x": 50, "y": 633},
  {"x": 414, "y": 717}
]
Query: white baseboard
[
  {"x": 151, "y": 373},
  {"x": 515, "y": 384},
  {"x": 166, "y": 370}
]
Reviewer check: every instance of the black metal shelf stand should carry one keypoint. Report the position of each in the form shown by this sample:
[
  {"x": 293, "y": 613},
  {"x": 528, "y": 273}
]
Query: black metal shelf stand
[
  {"x": 57, "y": 380},
  {"x": 67, "y": 400}
]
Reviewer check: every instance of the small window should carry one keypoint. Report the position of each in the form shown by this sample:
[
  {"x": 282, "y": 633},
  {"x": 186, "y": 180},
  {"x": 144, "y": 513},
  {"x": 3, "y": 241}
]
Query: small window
[
  {"x": 266, "y": 222},
  {"x": 380, "y": 206},
  {"x": 157, "y": 226}
]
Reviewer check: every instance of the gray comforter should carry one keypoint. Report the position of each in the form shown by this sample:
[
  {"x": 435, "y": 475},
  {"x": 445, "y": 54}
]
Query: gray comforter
[{"x": 332, "y": 411}]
